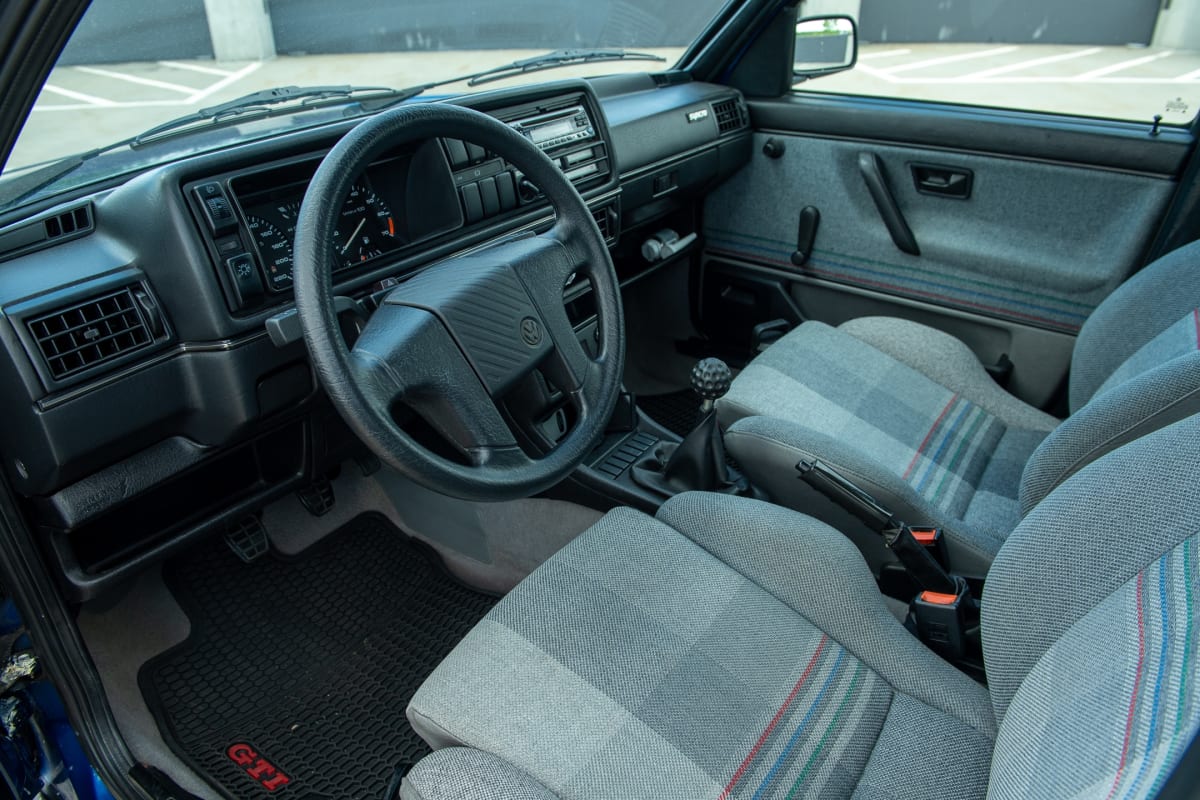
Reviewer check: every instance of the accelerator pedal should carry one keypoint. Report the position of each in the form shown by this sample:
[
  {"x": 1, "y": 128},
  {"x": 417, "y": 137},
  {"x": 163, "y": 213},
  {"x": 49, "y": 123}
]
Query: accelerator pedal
[
  {"x": 247, "y": 538},
  {"x": 317, "y": 497}
]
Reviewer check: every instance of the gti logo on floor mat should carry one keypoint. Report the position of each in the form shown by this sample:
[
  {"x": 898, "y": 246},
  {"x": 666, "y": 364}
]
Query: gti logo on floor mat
[{"x": 261, "y": 771}]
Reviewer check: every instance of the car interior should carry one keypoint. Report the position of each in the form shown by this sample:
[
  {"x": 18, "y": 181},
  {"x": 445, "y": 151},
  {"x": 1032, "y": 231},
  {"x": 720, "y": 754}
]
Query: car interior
[{"x": 666, "y": 434}]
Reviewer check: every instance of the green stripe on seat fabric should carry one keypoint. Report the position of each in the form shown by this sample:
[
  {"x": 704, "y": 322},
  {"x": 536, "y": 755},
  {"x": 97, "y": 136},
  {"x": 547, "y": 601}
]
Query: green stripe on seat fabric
[{"x": 837, "y": 716}]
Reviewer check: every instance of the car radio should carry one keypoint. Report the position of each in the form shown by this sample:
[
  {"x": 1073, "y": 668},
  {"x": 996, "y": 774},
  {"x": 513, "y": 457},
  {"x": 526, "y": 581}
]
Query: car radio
[{"x": 556, "y": 128}]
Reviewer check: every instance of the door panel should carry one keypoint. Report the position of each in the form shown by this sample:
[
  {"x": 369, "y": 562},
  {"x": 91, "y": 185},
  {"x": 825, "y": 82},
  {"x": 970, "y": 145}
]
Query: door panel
[
  {"x": 1015, "y": 267},
  {"x": 1035, "y": 243}
]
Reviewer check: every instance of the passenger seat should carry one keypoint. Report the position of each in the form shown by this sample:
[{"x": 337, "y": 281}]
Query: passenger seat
[{"x": 909, "y": 413}]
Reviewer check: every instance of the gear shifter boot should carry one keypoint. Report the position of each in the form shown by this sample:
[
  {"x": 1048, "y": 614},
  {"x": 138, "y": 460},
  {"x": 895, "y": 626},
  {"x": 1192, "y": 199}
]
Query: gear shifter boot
[{"x": 698, "y": 462}]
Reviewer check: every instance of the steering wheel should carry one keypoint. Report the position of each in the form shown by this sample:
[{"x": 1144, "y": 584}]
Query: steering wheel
[{"x": 452, "y": 340}]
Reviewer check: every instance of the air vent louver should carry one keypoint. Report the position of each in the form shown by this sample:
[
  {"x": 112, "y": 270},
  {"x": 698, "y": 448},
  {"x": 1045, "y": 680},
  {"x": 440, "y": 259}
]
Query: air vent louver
[
  {"x": 84, "y": 335},
  {"x": 74, "y": 221},
  {"x": 730, "y": 115},
  {"x": 604, "y": 220}
]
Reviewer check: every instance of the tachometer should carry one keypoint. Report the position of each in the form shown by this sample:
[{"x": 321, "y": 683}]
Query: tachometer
[
  {"x": 275, "y": 248},
  {"x": 365, "y": 227}
]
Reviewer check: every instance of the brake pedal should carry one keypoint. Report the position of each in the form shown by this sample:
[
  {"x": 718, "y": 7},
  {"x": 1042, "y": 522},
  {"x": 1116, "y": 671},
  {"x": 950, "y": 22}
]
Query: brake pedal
[
  {"x": 317, "y": 497},
  {"x": 247, "y": 538}
]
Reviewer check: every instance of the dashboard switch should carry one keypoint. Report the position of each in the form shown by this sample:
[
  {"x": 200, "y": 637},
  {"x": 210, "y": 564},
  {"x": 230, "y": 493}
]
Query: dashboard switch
[
  {"x": 476, "y": 153},
  {"x": 491, "y": 197},
  {"x": 243, "y": 276},
  {"x": 473, "y": 202},
  {"x": 507, "y": 191},
  {"x": 215, "y": 205},
  {"x": 458, "y": 153}
]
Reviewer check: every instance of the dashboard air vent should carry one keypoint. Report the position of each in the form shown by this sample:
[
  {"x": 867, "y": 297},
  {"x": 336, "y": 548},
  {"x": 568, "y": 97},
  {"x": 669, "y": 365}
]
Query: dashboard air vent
[
  {"x": 77, "y": 220},
  {"x": 730, "y": 115},
  {"x": 605, "y": 217},
  {"x": 83, "y": 335}
]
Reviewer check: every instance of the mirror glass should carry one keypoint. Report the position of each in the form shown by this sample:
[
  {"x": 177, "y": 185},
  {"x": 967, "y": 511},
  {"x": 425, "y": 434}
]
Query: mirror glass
[{"x": 823, "y": 44}]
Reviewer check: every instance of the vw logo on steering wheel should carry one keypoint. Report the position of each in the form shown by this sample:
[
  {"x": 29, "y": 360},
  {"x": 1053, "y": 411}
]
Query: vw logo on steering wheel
[{"x": 531, "y": 332}]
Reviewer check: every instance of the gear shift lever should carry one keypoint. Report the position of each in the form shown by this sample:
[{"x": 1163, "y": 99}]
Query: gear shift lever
[
  {"x": 711, "y": 378},
  {"x": 698, "y": 463}
]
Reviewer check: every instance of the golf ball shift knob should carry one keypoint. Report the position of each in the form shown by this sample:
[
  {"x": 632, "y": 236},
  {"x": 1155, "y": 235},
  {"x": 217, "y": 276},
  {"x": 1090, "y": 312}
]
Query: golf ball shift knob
[{"x": 711, "y": 378}]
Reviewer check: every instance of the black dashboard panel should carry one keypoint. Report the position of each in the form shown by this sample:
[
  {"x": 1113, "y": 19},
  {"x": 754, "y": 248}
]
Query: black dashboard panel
[{"x": 202, "y": 247}]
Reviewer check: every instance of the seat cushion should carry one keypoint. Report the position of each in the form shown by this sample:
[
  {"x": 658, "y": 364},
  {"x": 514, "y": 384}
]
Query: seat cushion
[
  {"x": 958, "y": 453},
  {"x": 729, "y": 648}
]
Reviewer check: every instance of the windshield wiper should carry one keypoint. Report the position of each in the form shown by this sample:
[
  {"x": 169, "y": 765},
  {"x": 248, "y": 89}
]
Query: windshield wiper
[
  {"x": 256, "y": 104},
  {"x": 558, "y": 58},
  {"x": 260, "y": 103}
]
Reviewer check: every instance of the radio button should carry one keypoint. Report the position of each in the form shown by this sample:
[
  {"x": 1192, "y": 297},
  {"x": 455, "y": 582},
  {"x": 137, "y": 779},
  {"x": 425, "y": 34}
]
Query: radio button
[{"x": 475, "y": 153}]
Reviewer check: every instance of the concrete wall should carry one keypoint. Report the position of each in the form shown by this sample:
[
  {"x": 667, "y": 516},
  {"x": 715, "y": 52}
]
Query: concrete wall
[
  {"x": 1116, "y": 22},
  {"x": 175, "y": 29},
  {"x": 1179, "y": 25},
  {"x": 255, "y": 29}
]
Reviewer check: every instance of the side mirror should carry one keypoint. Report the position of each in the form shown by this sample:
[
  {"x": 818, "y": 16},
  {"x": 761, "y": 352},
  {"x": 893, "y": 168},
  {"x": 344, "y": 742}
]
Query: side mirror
[{"x": 824, "y": 45}]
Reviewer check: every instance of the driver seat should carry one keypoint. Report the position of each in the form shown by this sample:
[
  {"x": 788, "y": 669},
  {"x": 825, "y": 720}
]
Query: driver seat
[{"x": 729, "y": 648}]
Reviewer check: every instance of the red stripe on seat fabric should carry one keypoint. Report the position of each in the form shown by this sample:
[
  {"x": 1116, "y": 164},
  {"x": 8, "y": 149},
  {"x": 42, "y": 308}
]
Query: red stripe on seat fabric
[
  {"x": 766, "y": 734},
  {"x": 928, "y": 436},
  {"x": 1137, "y": 682}
]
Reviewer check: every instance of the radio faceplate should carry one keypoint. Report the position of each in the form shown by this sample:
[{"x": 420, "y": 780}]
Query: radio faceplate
[{"x": 557, "y": 128}]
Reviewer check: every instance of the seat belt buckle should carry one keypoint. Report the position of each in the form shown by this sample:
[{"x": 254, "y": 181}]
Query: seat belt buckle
[
  {"x": 930, "y": 537},
  {"x": 941, "y": 621}
]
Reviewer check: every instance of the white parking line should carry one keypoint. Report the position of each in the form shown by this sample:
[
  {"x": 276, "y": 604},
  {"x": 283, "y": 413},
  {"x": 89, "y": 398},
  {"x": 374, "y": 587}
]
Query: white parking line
[
  {"x": 1190, "y": 76},
  {"x": 1122, "y": 65},
  {"x": 195, "y": 68},
  {"x": 121, "y": 76},
  {"x": 903, "y": 51},
  {"x": 91, "y": 101},
  {"x": 1036, "y": 62},
  {"x": 226, "y": 81},
  {"x": 933, "y": 62},
  {"x": 88, "y": 99}
]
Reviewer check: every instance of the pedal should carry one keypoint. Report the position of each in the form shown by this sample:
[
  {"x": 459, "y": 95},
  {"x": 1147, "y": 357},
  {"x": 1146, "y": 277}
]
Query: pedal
[
  {"x": 368, "y": 463},
  {"x": 247, "y": 538},
  {"x": 317, "y": 497}
]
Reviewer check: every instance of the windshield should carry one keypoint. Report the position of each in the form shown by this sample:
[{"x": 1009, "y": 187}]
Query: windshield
[{"x": 131, "y": 66}]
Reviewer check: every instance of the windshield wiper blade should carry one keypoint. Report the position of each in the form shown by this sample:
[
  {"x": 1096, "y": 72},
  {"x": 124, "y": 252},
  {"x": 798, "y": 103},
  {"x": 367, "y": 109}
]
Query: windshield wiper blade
[
  {"x": 559, "y": 58},
  {"x": 260, "y": 102}
]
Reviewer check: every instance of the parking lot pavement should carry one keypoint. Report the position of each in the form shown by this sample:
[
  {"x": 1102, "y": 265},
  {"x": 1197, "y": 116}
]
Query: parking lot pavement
[
  {"x": 1129, "y": 83},
  {"x": 89, "y": 106}
]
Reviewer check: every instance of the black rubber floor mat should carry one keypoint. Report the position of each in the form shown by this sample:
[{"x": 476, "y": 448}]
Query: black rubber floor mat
[
  {"x": 294, "y": 680},
  {"x": 678, "y": 412}
]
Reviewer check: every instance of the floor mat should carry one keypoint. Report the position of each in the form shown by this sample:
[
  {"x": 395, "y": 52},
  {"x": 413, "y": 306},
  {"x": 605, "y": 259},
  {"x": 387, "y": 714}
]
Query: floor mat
[
  {"x": 678, "y": 412},
  {"x": 294, "y": 680}
]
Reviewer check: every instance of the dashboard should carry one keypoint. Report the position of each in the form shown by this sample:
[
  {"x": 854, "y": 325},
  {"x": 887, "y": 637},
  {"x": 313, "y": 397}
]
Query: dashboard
[{"x": 159, "y": 387}]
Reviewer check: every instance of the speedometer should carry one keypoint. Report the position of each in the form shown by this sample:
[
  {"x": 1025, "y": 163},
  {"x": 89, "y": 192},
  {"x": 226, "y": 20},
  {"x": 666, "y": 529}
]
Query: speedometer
[{"x": 275, "y": 248}]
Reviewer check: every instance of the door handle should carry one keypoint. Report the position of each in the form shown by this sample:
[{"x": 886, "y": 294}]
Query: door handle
[
  {"x": 942, "y": 181},
  {"x": 871, "y": 168}
]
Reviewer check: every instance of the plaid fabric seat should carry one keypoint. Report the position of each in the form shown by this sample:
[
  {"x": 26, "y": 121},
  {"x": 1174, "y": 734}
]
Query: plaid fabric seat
[
  {"x": 735, "y": 649},
  {"x": 910, "y": 412}
]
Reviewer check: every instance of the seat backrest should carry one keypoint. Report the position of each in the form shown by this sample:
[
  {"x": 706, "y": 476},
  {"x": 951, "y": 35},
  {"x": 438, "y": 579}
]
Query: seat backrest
[
  {"x": 1090, "y": 629},
  {"x": 1116, "y": 416},
  {"x": 1148, "y": 320}
]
